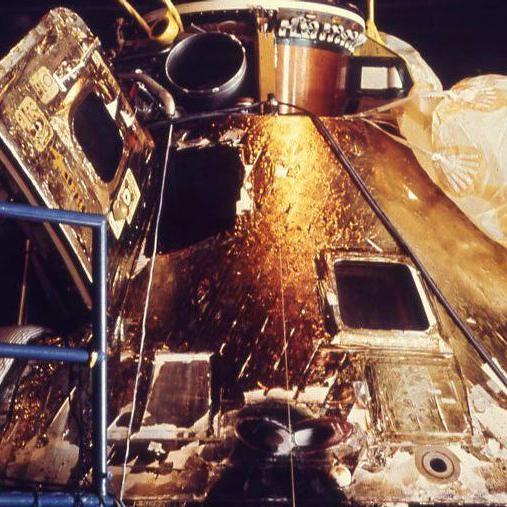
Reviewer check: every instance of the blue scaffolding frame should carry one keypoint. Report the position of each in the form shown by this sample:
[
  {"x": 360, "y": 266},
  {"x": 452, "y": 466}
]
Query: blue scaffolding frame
[{"x": 95, "y": 357}]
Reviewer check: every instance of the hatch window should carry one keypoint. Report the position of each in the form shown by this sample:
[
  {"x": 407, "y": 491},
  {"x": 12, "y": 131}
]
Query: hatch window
[
  {"x": 203, "y": 187},
  {"x": 379, "y": 295},
  {"x": 98, "y": 136}
]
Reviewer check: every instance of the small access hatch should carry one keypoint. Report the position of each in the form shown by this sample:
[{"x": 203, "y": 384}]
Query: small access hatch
[
  {"x": 379, "y": 295},
  {"x": 376, "y": 301}
]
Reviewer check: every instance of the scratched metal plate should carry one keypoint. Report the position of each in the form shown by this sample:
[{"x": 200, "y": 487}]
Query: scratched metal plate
[{"x": 418, "y": 398}]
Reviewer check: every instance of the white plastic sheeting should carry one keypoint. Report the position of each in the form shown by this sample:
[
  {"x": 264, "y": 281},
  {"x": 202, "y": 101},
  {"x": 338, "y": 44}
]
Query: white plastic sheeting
[{"x": 459, "y": 137}]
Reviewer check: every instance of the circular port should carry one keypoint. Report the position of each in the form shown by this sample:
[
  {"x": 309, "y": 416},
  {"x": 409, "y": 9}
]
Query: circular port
[
  {"x": 207, "y": 70},
  {"x": 437, "y": 464}
]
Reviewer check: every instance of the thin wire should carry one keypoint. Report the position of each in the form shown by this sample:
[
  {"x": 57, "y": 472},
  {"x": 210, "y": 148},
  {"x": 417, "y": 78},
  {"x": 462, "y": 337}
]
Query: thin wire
[
  {"x": 286, "y": 360},
  {"x": 145, "y": 311},
  {"x": 398, "y": 139}
]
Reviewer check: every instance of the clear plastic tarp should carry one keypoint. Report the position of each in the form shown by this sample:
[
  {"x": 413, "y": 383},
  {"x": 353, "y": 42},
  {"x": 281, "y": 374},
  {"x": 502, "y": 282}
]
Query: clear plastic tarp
[{"x": 459, "y": 137}]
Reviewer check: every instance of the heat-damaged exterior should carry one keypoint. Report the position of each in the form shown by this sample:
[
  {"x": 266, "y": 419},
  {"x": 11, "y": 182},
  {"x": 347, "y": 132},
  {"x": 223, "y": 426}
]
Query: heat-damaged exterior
[
  {"x": 285, "y": 397},
  {"x": 44, "y": 81}
]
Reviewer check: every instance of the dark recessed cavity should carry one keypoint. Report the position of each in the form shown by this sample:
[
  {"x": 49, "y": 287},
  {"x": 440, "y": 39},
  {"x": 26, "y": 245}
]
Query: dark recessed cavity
[
  {"x": 205, "y": 61},
  {"x": 379, "y": 295},
  {"x": 438, "y": 465},
  {"x": 264, "y": 435},
  {"x": 202, "y": 189},
  {"x": 172, "y": 399},
  {"x": 98, "y": 136},
  {"x": 159, "y": 28}
]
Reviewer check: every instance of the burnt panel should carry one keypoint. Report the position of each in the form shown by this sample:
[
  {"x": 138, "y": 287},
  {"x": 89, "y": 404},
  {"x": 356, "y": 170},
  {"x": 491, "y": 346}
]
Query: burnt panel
[
  {"x": 418, "y": 396},
  {"x": 180, "y": 392}
]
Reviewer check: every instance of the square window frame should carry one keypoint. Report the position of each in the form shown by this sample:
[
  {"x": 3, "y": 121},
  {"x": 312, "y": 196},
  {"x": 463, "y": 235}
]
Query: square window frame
[{"x": 429, "y": 339}]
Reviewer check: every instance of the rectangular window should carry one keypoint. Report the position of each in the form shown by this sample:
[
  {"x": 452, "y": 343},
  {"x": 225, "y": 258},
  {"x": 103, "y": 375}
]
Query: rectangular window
[
  {"x": 203, "y": 187},
  {"x": 98, "y": 135},
  {"x": 379, "y": 295}
]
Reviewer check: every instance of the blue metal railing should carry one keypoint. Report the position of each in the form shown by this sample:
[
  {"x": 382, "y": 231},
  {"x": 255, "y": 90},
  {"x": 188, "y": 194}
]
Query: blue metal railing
[{"x": 96, "y": 357}]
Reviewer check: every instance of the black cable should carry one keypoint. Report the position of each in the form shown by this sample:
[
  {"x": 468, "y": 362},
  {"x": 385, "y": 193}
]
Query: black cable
[
  {"x": 118, "y": 60},
  {"x": 388, "y": 224},
  {"x": 78, "y": 420},
  {"x": 208, "y": 115}
]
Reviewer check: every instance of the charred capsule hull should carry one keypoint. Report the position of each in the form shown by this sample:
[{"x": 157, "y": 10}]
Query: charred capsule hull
[
  {"x": 292, "y": 351},
  {"x": 58, "y": 98},
  {"x": 265, "y": 290}
]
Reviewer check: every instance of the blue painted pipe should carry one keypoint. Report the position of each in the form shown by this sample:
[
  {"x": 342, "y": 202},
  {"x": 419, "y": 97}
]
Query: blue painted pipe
[
  {"x": 22, "y": 499},
  {"x": 99, "y": 264},
  {"x": 44, "y": 353},
  {"x": 99, "y": 403},
  {"x": 51, "y": 216}
]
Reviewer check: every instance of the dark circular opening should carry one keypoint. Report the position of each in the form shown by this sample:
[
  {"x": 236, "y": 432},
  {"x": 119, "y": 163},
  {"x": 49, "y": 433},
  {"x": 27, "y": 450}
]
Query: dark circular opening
[
  {"x": 205, "y": 61},
  {"x": 159, "y": 27},
  {"x": 438, "y": 465}
]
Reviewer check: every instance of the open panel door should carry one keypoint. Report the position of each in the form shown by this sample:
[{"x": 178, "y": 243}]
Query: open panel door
[{"x": 69, "y": 139}]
